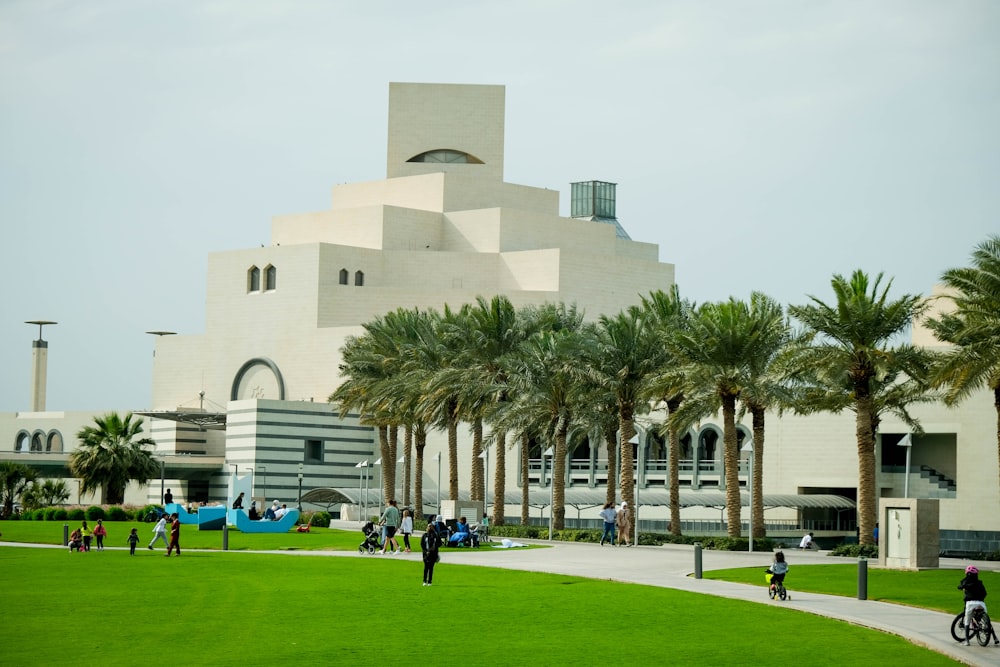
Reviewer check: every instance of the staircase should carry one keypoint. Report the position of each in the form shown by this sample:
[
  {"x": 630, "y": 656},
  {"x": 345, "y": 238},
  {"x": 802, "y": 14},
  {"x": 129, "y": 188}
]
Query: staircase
[{"x": 925, "y": 482}]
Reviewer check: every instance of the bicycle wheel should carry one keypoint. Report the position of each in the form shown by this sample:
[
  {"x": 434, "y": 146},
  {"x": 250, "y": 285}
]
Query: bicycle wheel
[
  {"x": 771, "y": 592},
  {"x": 782, "y": 593},
  {"x": 958, "y": 628},
  {"x": 985, "y": 632}
]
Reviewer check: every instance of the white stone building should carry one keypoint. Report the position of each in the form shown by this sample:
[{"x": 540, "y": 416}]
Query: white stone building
[{"x": 247, "y": 396}]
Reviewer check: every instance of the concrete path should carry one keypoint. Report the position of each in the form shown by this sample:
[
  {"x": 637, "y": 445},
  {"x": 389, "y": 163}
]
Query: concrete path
[{"x": 672, "y": 566}]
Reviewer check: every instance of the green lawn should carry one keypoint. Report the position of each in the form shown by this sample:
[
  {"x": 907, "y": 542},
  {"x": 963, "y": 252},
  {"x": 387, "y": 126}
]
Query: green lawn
[
  {"x": 231, "y": 608},
  {"x": 930, "y": 589}
]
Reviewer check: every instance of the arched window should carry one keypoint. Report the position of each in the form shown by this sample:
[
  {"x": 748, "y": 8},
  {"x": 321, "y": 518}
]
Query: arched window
[
  {"x": 21, "y": 442},
  {"x": 343, "y": 276},
  {"x": 270, "y": 278},
  {"x": 253, "y": 279},
  {"x": 359, "y": 278},
  {"x": 54, "y": 443},
  {"x": 36, "y": 441}
]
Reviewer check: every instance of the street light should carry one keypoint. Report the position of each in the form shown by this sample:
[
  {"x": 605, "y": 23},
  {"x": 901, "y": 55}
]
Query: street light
[
  {"x": 361, "y": 472},
  {"x": 748, "y": 448},
  {"x": 300, "y": 488},
  {"x": 437, "y": 457},
  {"x": 907, "y": 442},
  {"x": 485, "y": 455},
  {"x": 548, "y": 452}
]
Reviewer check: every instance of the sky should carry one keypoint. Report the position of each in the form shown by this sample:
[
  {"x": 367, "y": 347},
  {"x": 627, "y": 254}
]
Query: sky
[{"x": 762, "y": 145}]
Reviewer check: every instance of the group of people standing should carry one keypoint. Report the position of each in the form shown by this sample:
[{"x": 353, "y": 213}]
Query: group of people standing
[
  {"x": 160, "y": 533},
  {"x": 616, "y": 520}
]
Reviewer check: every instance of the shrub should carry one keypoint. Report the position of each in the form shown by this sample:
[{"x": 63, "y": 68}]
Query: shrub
[
  {"x": 95, "y": 512},
  {"x": 60, "y": 514},
  {"x": 320, "y": 519},
  {"x": 856, "y": 550},
  {"x": 117, "y": 514},
  {"x": 38, "y": 515},
  {"x": 76, "y": 514},
  {"x": 50, "y": 513}
]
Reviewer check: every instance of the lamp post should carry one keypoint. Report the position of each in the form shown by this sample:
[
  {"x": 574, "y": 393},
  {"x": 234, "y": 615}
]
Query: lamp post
[
  {"x": 907, "y": 442},
  {"x": 485, "y": 455},
  {"x": 548, "y": 452},
  {"x": 300, "y": 488},
  {"x": 361, "y": 474},
  {"x": 748, "y": 448}
]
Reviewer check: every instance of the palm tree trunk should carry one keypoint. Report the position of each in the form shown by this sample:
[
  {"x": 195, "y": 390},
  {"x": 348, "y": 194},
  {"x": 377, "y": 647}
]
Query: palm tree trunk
[
  {"x": 499, "y": 478},
  {"x": 674, "y": 444},
  {"x": 866, "y": 466},
  {"x": 558, "y": 480},
  {"x": 525, "y": 497},
  {"x": 610, "y": 443},
  {"x": 418, "y": 476},
  {"x": 383, "y": 452},
  {"x": 626, "y": 428},
  {"x": 996, "y": 404},
  {"x": 453, "y": 459},
  {"x": 731, "y": 458},
  {"x": 757, "y": 528},
  {"x": 477, "y": 490},
  {"x": 407, "y": 462},
  {"x": 389, "y": 466}
]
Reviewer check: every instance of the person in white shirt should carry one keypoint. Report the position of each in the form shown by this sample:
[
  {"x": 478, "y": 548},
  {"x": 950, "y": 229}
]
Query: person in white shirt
[
  {"x": 160, "y": 532},
  {"x": 807, "y": 541},
  {"x": 280, "y": 512}
]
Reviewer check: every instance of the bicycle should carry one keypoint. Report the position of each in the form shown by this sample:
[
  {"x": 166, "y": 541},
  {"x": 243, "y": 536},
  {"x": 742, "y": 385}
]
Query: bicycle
[
  {"x": 777, "y": 589},
  {"x": 981, "y": 628}
]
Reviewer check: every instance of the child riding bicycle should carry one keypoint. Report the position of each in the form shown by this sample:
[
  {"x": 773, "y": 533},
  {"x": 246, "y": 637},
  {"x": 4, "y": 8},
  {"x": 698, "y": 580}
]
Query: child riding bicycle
[
  {"x": 975, "y": 593},
  {"x": 778, "y": 569}
]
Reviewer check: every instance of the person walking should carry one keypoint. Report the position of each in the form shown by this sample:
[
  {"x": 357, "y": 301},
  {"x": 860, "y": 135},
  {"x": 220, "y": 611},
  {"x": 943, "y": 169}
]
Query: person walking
[
  {"x": 175, "y": 534},
  {"x": 100, "y": 532},
  {"x": 406, "y": 528},
  {"x": 622, "y": 523},
  {"x": 608, "y": 515},
  {"x": 133, "y": 539},
  {"x": 160, "y": 533},
  {"x": 430, "y": 544},
  {"x": 390, "y": 520}
]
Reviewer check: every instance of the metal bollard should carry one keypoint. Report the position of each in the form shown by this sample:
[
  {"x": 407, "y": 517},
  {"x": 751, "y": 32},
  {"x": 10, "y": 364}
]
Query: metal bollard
[
  {"x": 862, "y": 578},
  {"x": 225, "y": 537},
  {"x": 65, "y": 535},
  {"x": 697, "y": 560}
]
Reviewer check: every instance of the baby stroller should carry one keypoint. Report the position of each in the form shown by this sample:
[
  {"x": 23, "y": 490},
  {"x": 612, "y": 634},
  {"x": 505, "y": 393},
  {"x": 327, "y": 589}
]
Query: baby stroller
[{"x": 371, "y": 542}]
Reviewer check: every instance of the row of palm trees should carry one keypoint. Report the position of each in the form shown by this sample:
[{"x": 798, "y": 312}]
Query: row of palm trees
[{"x": 541, "y": 374}]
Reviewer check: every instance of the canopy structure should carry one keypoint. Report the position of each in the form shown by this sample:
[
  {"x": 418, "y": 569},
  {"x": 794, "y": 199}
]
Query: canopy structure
[
  {"x": 200, "y": 418},
  {"x": 596, "y": 497}
]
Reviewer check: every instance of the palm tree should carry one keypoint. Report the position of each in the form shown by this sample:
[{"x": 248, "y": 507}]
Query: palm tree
[
  {"x": 110, "y": 455},
  {"x": 715, "y": 349},
  {"x": 627, "y": 353},
  {"x": 45, "y": 493},
  {"x": 765, "y": 389},
  {"x": 973, "y": 328},
  {"x": 14, "y": 480},
  {"x": 852, "y": 364}
]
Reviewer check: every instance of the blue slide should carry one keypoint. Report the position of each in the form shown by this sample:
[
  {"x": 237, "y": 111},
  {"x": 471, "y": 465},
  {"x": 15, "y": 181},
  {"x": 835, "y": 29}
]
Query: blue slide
[
  {"x": 282, "y": 525},
  {"x": 207, "y": 518}
]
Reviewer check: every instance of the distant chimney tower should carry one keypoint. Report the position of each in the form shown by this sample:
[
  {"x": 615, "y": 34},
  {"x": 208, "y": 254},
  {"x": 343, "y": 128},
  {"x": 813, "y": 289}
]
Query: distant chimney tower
[
  {"x": 595, "y": 201},
  {"x": 39, "y": 367}
]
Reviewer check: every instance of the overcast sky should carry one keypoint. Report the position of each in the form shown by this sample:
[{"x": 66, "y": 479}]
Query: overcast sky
[{"x": 762, "y": 145}]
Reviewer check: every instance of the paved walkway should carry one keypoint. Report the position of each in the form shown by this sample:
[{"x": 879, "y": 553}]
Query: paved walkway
[{"x": 670, "y": 566}]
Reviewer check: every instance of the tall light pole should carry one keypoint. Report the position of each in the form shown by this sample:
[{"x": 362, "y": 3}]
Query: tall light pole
[
  {"x": 548, "y": 452},
  {"x": 748, "y": 448},
  {"x": 907, "y": 442},
  {"x": 361, "y": 474},
  {"x": 300, "y": 488},
  {"x": 485, "y": 455},
  {"x": 39, "y": 370},
  {"x": 402, "y": 492}
]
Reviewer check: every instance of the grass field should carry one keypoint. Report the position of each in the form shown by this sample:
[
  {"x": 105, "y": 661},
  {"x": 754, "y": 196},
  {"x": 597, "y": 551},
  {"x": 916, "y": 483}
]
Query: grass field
[
  {"x": 232, "y": 608},
  {"x": 930, "y": 589}
]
